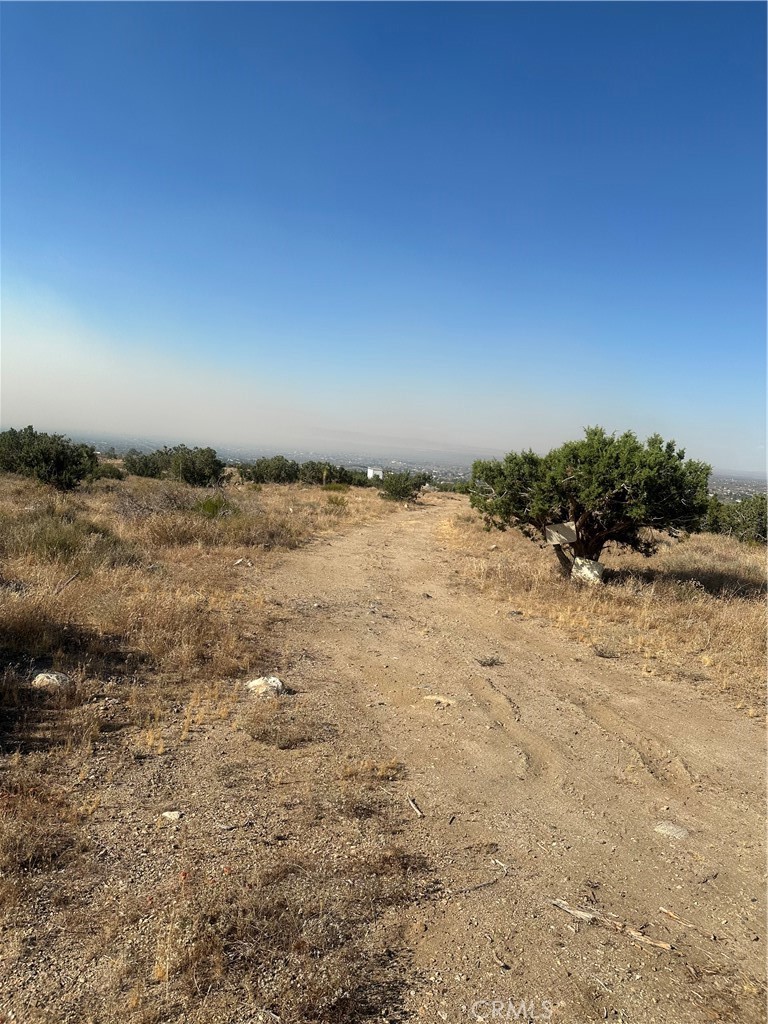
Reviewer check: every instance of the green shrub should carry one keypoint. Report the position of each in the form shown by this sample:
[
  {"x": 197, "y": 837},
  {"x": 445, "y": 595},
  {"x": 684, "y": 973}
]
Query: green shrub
[
  {"x": 50, "y": 458},
  {"x": 151, "y": 464},
  {"x": 403, "y": 486},
  {"x": 108, "y": 471},
  {"x": 337, "y": 503},
  {"x": 275, "y": 470},
  {"x": 341, "y": 488},
  {"x": 215, "y": 506},
  {"x": 198, "y": 467},
  {"x": 745, "y": 520}
]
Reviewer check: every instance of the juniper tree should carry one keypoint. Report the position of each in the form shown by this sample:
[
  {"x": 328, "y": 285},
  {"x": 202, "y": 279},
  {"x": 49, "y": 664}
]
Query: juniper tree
[{"x": 613, "y": 489}]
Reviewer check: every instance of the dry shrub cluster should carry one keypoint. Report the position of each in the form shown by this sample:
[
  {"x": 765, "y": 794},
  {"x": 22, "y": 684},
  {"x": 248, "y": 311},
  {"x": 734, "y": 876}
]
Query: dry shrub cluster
[
  {"x": 695, "y": 610},
  {"x": 38, "y": 827},
  {"x": 281, "y": 724}
]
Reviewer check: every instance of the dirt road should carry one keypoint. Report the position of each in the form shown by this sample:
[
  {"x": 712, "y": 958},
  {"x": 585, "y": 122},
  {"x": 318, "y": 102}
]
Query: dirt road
[
  {"x": 543, "y": 773},
  {"x": 534, "y": 771}
]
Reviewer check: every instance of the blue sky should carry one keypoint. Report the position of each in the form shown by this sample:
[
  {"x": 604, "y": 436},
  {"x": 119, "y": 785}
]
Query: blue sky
[{"x": 476, "y": 225}]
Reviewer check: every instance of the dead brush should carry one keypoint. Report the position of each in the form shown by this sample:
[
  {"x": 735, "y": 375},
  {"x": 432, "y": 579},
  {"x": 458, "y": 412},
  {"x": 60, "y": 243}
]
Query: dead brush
[
  {"x": 33, "y": 720},
  {"x": 357, "y": 800},
  {"x": 374, "y": 771},
  {"x": 277, "y": 724},
  {"x": 38, "y": 827},
  {"x": 55, "y": 532}
]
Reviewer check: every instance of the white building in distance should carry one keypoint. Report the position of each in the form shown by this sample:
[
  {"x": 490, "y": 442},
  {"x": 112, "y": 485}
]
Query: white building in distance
[{"x": 375, "y": 471}]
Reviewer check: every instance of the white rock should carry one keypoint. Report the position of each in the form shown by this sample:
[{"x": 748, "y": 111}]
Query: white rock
[
  {"x": 265, "y": 686},
  {"x": 172, "y": 815},
  {"x": 671, "y": 829},
  {"x": 587, "y": 570},
  {"x": 53, "y": 682}
]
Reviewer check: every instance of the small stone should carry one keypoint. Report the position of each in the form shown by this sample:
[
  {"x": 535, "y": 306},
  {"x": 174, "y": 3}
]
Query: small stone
[
  {"x": 53, "y": 682},
  {"x": 172, "y": 815},
  {"x": 265, "y": 686},
  {"x": 669, "y": 828}
]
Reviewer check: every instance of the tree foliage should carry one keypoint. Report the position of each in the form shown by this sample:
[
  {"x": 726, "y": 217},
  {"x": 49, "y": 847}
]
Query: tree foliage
[
  {"x": 745, "y": 520},
  {"x": 196, "y": 466},
  {"x": 279, "y": 470},
  {"x": 51, "y": 458},
  {"x": 614, "y": 489},
  {"x": 274, "y": 470},
  {"x": 403, "y": 486}
]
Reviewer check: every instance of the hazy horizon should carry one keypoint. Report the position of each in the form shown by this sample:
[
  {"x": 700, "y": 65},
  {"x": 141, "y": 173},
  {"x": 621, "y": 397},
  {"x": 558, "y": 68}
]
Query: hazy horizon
[{"x": 442, "y": 227}]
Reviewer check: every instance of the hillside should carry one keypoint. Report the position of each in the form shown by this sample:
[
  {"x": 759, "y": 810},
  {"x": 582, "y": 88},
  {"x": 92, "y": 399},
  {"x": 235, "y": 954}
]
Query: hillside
[{"x": 474, "y": 759}]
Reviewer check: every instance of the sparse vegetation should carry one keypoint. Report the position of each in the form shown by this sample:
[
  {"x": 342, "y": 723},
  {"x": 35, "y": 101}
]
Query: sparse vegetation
[
  {"x": 283, "y": 888},
  {"x": 281, "y": 724},
  {"x": 695, "y": 610},
  {"x": 132, "y": 588}
]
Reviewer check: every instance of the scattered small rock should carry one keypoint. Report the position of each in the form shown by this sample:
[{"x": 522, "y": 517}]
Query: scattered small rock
[
  {"x": 53, "y": 682},
  {"x": 265, "y": 686}
]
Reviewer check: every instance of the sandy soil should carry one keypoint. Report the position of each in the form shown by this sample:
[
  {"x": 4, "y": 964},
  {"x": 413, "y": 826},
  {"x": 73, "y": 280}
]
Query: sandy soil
[
  {"x": 545, "y": 774},
  {"x": 552, "y": 775}
]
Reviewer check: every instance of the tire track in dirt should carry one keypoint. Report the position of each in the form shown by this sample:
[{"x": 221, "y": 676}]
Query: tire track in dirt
[{"x": 563, "y": 766}]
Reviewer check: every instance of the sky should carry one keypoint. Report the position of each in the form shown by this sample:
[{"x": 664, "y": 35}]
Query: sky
[{"x": 459, "y": 226}]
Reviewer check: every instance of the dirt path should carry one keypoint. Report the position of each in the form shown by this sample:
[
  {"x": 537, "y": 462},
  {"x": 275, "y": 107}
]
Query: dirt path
[
  {"x": 548, "y": 774},
  {"x": 544, "y": 773}
]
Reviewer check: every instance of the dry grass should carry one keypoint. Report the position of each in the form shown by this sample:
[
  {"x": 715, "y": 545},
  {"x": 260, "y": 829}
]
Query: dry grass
[
  {"x": 279, "y": 722},
  {"x": 141, "y": 573},
  {"x": 288, "y": 939},
  {"x": 37, "y": 825},
  {"x": 695, "y": 610},
  {"x": 374, "y": 771},
  {"x": 150, "y": 597}
]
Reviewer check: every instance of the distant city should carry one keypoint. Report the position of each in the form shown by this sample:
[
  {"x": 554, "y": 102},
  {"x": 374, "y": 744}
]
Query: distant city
[
  {"x": 444, "y": 466},
  {"x": 736, "y": 487}
]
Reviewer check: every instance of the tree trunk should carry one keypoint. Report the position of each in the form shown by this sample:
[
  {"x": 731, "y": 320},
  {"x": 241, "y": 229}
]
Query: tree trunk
[
  {"x": 566, "y": 564},
  {"x": 587, "y": 547}
]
